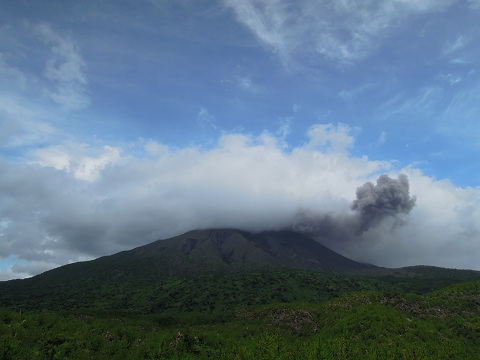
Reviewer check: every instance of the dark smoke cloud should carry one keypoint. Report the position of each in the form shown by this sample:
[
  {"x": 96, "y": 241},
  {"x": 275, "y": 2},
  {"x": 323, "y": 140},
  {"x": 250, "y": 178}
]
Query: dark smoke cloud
[{"x": 388, "y": 199}]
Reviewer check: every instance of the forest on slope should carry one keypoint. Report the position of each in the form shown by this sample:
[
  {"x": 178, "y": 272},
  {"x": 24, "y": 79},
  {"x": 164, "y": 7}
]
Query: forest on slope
[{"x": 362, "y": 325}]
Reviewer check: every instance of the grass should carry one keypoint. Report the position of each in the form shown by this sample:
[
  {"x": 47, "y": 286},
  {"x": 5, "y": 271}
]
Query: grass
[{"x": 361, "y": 325}]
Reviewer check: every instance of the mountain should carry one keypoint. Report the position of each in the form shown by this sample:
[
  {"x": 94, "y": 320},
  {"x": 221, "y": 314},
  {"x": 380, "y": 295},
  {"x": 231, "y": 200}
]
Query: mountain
[
  {"x": 214, "y": 251},
  {"x": 233, "y": 250},
  {"x": 233, "y": 294},
  {"x": 206, "y": 251},
  {"x": 215, "y": 269}
]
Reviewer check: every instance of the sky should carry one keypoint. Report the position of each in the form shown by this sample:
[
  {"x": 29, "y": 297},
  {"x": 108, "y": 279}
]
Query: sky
[{"x": 124, "y": 122}]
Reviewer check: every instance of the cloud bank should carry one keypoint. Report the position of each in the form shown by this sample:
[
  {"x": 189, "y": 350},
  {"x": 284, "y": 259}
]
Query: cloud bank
[{"x": 97, "y": 201}]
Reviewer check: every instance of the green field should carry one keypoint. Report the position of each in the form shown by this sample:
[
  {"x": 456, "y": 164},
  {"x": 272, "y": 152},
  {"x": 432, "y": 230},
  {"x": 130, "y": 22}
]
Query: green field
[{"x": 444, "y": 324}]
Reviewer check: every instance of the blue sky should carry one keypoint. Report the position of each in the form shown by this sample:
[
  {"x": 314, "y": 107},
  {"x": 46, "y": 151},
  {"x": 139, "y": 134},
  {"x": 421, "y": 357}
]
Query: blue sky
[{"x": 122, "y": 122}]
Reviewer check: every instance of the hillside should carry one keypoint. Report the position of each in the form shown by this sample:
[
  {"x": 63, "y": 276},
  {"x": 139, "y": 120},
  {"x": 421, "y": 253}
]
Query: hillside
[
  {"x": 146, "y": 277},
  {"x": 215, "y": 270},
  {"x": 226, "y": 250},
  {"x": 228, "y": 294},
  {"x": 206, "y": 251},
  {"x": 365, "y": 325}
]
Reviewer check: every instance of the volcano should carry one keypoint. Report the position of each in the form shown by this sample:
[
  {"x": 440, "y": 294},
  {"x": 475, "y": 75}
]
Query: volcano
[{"x": 230, "y": 265}]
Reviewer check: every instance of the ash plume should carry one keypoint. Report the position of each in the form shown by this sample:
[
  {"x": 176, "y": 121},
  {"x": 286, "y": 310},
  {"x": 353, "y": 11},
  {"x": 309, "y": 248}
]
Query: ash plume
[
  {"x": 375, "y": 203},
  {"x": 387, "y": 198}
]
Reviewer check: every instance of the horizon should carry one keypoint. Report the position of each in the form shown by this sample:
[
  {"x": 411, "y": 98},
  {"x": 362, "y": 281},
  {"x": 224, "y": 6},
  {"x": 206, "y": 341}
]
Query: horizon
[{"x": 126, "y": 122}]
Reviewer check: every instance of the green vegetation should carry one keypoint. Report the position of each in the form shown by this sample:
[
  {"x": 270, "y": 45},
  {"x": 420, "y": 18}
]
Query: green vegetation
[
  {"x": 423, "y": 279},
  {"x": 212, "y": 292},
  {"x": 225, "y": 294},
  {"x": 362, "y": 325},
  {"x": 206, "y": 293}
]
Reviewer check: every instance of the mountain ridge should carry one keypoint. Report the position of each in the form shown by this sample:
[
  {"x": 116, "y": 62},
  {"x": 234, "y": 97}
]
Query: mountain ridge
[
  {"x": 175, "y": 273},
  {"x": 209, "y": 250},
  {"x": 238, "y": 250}
]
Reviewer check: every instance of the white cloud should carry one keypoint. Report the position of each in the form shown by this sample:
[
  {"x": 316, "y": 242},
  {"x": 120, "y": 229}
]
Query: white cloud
[
  {"x": 382, "y": 138},
  {"x": 51, "y": 216},
  {"x": 424, "y": 101},
  {"x": 15, "y": 78},
  {"x": 69, "y": 198},
  {"x": 331, "y": 138},
  {"x": 205, "y": 119},
  {"x": 154, "y": 148},
  {"x": 344, "y": 31},
  {"x": 29, "y": 111},
  {"x": 458, "y": 51},
  {"x": 247, "y": 182},
  {"x": 65, "y": 69},
  {"x": 267, "y": 20},
  {"x": 24, "y": 123},
  {"x": 79, "y": 159},
  {"x": 32, "y": 267},
  {"x": 474, "y": 4},
  {"x": 442, "y": 230},
  {"x": 460, "y": 118},
  {"x": 352, "y": 94},
  {"x": 284, "y": 129},
  {"x": 8, "y": 128},
  {"x": 247, "y": 84},
  {"x": 8, "y": 274},
  {"x": 244, "y": 83},
  {"x": 63, "y": 80},
  {"x": 458, "y": 44},
  {"x": 453, "y": 79}
]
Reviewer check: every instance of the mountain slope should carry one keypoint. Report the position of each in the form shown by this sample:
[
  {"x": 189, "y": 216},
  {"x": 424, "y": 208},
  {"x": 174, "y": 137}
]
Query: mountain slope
[
  {"x": 205, "y": 251},
  {"x": 117, "y": 278},
  {"x": 215, "y": 269},
  {"x": 233, "y": 250}
]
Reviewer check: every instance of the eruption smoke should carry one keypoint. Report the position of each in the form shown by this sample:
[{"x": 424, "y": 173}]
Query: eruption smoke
[{"x": 387, "y": 199}]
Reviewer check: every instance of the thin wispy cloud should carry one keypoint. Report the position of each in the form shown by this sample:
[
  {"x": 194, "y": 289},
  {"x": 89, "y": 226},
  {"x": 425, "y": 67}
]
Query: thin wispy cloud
[
  {"x": 65, "y": 69},
  {"x": 205, "y": 119},
  {"x": 382, "y": 139},
  {"x": 343, "y": 31},
  {"x": 475, "y": 4},
  {"x": 247, "y": 84},
  {"x": 456, "y": 45},
  {"x": 28, "y": 114},
  {"x": 25, "y": 123}
]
